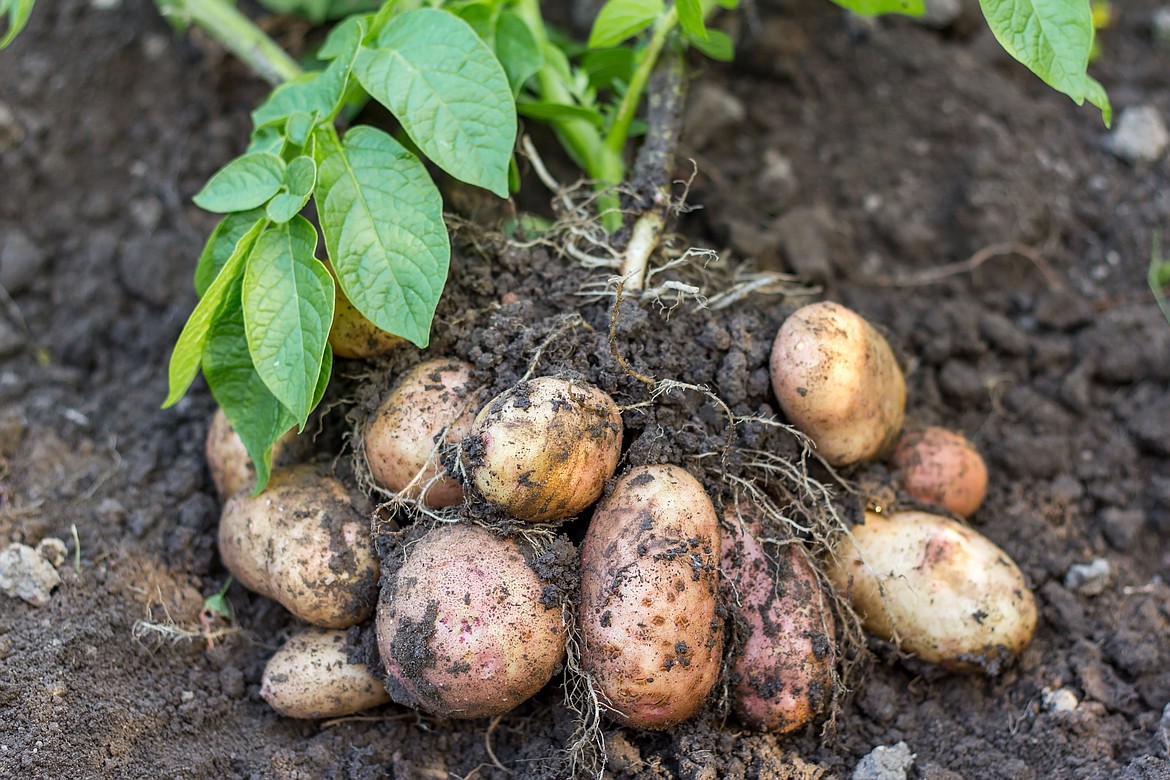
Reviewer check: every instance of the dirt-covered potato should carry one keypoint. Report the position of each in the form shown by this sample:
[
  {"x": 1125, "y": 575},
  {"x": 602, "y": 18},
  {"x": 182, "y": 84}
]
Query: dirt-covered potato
[
  {"x": 354, "y": 337},
  {"x": 939, "y": 467},
  {"x": 302, "y": 543},
  {"x": 782, "y": 672},
  {"x": 650, "y": 626},
  {"x": 465, "y": 626},
  {"x": 318, "y": 674},
  {"x": 400, "y": 442},
  {"x": 231, "y": 468},
  {"x": 944, "y": 592},
  {"x": 544, "y": 449},
  {"x": 837, "y": 381}
]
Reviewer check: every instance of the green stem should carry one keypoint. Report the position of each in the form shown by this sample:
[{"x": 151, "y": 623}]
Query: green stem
[
  {"x": 619, "y": 132},
  {"x": 236, "y": 33}
]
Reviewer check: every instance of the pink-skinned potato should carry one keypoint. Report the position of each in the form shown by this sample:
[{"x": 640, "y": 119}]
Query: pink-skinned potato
[
  {"x": 318, "y": 674},
  {"x": 943, "y": 591},
  {"x": 939, "y": 467},
  {"x": 544, "y": 449},
  {"x": 465, "y": 626},
  {"x": 303, "y": 544},
  {"x": 231, "y": 467},
  {"x": 650, "y": 626},
  {"x": 837, "y": 380},
  {"x": 399, "y": 440},
  {"x": 782, "y": 671}
]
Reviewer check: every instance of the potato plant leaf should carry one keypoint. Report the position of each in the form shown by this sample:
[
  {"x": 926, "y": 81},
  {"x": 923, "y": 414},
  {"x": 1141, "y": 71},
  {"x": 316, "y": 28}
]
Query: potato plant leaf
[
  {"x": 1053, "y": 38},
  {"x": 18, "y": 13},
  {"x": 299, "y": 178},
  {"x": 877, "y": 7},
  {"x": 288, "y": 309},
  {"x": 221, "y": 244},
  {"x": 621, "y": 19},
  {"x": 244, "y": 183},
  {"x": 318, "y": 94},
  {"x": 690, "y": 18},
  {"x": 253, "y": 411},
  {"x": 558, "y": 112},
  {"x": 449, "y": 92},
  {"x": 188, "y": 350},
  {"x": 517, "y": 50},
  {"x": 718, "y": 45},
  {"x": 382, "y": 217}
]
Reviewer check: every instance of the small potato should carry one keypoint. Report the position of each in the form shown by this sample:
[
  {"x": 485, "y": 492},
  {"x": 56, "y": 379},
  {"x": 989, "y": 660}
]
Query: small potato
[
  {"x": 544, "y": 449},
  {"x": 837, "y": 381},
  {"x": 943, "y": 591},
  {"x": 231, "y": 467},
  {"x": 939, "y": 467},
  {"x": 463, "y": 627},
  {"x": 315, "y": 675},
  {"x": 649, "y": 620},
  {"x": 302, "y": 543},
  {"x": 354, "y": 337},
  {"x": 782, "y": 674},
  {"x": 400, "y": 439}
]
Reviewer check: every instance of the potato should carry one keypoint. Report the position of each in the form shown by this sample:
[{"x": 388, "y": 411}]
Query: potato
[
  {"x": 400, "y": 439},
  {"x": 230, "y": 465},
  {"x": 354, "y": 337},
  {"x": 544, "y": 449},
  {"x": 302, "y": 543},
  {"x": 782, "y": 674},
  {"x": 318, "y": 674},
  {"x": 939, "y": 467},
  {"x": 650, "y": 627},
  {"x": 463, "y": 626},
  {"x": 942, "y": 591},
  {"x": 837, "y": 381}
]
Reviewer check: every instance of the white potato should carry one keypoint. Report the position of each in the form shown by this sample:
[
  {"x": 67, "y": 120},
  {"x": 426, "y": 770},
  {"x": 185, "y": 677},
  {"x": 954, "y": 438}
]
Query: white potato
[{"x": 315, "y": 675}]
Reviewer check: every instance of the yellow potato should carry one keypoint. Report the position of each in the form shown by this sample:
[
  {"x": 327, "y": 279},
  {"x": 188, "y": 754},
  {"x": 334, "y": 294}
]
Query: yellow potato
[
  {"x": 231, "y": 467},
  {"x": 354, "y": 337},
  {"x": 942, "y": 591},
  {"x": 315, "y": 675},
  {"x": 837, "y": 381}
]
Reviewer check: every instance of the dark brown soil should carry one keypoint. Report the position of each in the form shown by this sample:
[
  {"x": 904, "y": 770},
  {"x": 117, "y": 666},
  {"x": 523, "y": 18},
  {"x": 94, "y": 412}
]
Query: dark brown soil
[{"x": 866, "y": 156}]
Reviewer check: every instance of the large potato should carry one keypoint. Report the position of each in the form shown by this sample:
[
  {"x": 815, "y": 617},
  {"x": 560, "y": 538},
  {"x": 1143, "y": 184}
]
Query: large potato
[
  {"x": 837, "y": 381},
  {"x": 318, "y": 674},
  {"x": 943, "y": 591},
  {"x": 231, "y": 467},
  {"x": 782, "y": 673},
  {"x": 400, "y": 439},
  {"x": 649, "y": 620},
  {"x": 463, "y": 626},
  {"x": 302, "y": 543},
  {"x": 544, "y": 449},
  {"x": 942, "y": 468}
]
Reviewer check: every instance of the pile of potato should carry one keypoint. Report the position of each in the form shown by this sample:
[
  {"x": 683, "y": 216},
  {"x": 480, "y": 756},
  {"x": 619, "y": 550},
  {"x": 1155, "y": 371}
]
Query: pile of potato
[{"x": 668, "y": 594}]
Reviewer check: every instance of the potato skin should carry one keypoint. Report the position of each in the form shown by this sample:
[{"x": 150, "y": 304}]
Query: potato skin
[
  {"x": 354, "y": 337},
  {"x": 650, "y": 624},
  {"x": 400, "y": 439},
  {"x": 782, "y": 673},
  {"x": 946, "y": 593},
  {"x": 837, "y": 381},
  {"x": 462, "y": 627},
  {"x": 312, "y": 676},
  {"x": 302, "y": 543},
  {"x": 939, "y": 467},
  {"x": 544, "y": 449},
  {"x": 231, "y": 467}
]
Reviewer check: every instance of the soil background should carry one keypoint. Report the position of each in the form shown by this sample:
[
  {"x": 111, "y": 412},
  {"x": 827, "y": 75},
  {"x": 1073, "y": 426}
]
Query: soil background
[{"x": 859, "y": 155}]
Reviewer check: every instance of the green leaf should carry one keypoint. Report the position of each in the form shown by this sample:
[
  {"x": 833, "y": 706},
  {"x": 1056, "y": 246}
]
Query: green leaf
[
  {"x": 481, "y": 17},
  {"x": 382, "y": 218},
  {"x": 244, "y": 183},
  {"x": 18, "y": 13},
  {"x": 189, "y": 348},
  {"x": 718, "y": 45},
  {"x": 221, "y": 244},
  {"x": 318, "y": 11},
  {"x": 318, "y": 94},
  {"x": 217, "y": 602},
  {"x": 323, "y": 377},
  {"x": 300, "y": 177},
  {"x": 877, "y": 7},
  {"x": 621, "y": 19},
  {"x": 298, "y": 127},
  {"x": 343, "y": 39},
  {"x": 557, "y": 112},
  {"x": 266, "y": 139},
  {"x": 607, "y": 67},
  {"x": 1053, "y": 38},
  {"x": 728, "y": 4},
  {"x": 288, "y": 309},
  {"x": 517, "y": 49},
  {"x": 255, "y": 414},
  {"x": 690, "y": 18},
  {"x": 449, "y": 92}
]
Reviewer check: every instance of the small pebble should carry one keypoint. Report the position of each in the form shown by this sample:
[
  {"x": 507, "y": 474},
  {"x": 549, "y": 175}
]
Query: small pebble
[
  {"x": 1060, "y": 700},
  {"x": 1140, "y": 135},
  {"x": 885, "y": 762},
  {"x": 25, "y": 574},
  {"x": 1088, "y": 579}
]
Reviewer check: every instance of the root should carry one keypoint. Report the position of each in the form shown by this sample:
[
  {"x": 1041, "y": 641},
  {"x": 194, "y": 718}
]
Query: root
[
  {"x": 487, "y": 745},
  {"x": 943, "y": 272},
  {"x": 613, "y": 344},
  {"x": 585, "y": 753}
]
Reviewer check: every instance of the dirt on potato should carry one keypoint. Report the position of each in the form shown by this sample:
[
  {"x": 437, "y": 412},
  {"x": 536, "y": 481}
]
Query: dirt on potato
[{"x": 917, "y": 175}]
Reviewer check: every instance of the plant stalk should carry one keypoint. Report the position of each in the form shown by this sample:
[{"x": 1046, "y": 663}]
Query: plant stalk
[
  {"x": 619, "y": 132},
  {"x": 236, "y": 33}
]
